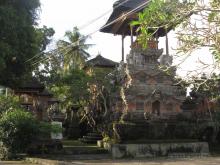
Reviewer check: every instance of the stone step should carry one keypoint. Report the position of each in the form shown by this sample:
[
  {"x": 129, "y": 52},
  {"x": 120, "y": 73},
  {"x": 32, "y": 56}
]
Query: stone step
[
  {"x": 92, "y": 137},
  {"x": 92, "y": 141},
  {"x": 93, "y": 134}
]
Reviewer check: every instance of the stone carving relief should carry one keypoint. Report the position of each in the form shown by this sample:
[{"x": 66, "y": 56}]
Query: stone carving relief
[
  {"x": 141, "y": 76},
  {"x": 156, "y": 94},
  {"x": 151, "y": 89},
  {"x": 169, "y": 106},
  {"x": 166, "y": 60}
]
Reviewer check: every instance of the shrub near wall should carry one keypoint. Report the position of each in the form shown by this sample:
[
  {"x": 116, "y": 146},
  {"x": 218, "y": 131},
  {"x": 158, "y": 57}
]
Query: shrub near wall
[
  {"x": 8, "y": 103},
  {"x": 160, "y": 130},
  {"x": 17, "y": 130}
]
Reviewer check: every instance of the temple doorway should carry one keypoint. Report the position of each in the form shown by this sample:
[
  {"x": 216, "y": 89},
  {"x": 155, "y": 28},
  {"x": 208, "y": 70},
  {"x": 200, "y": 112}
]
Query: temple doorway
[{"x": 156, "y": 107}]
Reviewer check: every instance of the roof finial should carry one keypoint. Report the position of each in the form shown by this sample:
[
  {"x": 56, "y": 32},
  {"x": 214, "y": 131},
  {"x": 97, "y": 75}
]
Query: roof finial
[{"x": 99, "y": 53}]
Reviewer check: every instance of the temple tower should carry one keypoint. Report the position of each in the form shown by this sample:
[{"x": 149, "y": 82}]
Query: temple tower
[{"x": 151, "y": 90}]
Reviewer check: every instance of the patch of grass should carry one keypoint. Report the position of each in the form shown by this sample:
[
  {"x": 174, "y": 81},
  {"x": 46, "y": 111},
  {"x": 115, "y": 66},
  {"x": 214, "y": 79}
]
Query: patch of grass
[
  {"x": 77, "y": 147},
  {"x": 74, "y": 143}
]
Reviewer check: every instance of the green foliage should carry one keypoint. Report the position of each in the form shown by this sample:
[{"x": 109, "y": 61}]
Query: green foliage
[
  {"x": 8, "y": 103},
  {"x": 101, "y": 88},
  {"x": 199, "y": 20},
  {"x": 17, "y": 129},
  {"x": 72, "y": 88},
  {"x": 158, "y": 15},
  {"x": 20, "y": 39},
  {"x": 4, "y": 152},
  {"x": 202, "y": 32},
  {"x": 63, "y": 74},
  {"x": 55, "y": 128},
  {"x": 207, "y": 86},
  {"x": 44, "y": 36},
  {"x": 73, "y": 50},
  {"x": 44, "y": 130}
]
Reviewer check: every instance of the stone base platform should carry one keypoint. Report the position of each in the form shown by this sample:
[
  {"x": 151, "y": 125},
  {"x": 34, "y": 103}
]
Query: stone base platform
[{"x": 159, "y": 150}]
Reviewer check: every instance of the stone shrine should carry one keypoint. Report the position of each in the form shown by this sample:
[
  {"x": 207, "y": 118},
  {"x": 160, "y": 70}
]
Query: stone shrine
[
  {"x": 146, "y": 107},
  {"x": 152, "y": 90}
]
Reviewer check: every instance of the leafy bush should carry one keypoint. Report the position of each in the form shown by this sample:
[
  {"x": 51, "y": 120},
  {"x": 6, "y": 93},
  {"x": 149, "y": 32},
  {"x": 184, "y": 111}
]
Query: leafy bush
[
  {"x": 4, "y": 152},
  {"x": 17, "y": 129},
  {"x": 8, "y": 103},
  {"x": 45, "y": 129}
]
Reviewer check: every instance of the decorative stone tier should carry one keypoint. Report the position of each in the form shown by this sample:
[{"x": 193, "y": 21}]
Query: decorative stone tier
[
  {"x": 152, "y": 44},
  {"x": 137, "y": 128},
  {"x": 141, "y": 57},
  {"x": 148, "y": 88},
  {"x": 158, "y": 150}
]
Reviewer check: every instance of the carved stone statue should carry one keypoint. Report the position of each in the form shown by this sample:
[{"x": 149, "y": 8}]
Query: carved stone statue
[{"x": 166, "y": 60}]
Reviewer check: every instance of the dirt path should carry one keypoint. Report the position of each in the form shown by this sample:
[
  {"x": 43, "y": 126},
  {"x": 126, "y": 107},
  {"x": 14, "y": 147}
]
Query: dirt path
[
  {"x": 186, "y": 161},
  {"x": 14, "y": 163},
  {"x": 192, "y": 161}
]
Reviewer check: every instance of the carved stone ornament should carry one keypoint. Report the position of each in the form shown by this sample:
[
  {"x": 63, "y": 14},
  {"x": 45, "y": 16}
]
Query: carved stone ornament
[{"x": 156, "y": 94}]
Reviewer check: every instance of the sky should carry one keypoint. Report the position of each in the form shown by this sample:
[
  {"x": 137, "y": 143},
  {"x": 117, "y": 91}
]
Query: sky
[{"x": 63, "y": 15}]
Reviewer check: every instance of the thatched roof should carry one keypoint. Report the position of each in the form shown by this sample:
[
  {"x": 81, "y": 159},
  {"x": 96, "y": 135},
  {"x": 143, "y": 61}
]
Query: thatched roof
[
  {"x": 100, "y": 61},
  {"x": 45, "y": 92},
  {"x": 122, "y": 26},
  {"x": 32, "y": 84},
  {"x": 54, "y": 100}
]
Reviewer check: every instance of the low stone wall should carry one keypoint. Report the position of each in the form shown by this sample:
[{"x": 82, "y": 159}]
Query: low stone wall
[
  {"x": 158, "y": 130},
  {"x": 159, "y": 150}
]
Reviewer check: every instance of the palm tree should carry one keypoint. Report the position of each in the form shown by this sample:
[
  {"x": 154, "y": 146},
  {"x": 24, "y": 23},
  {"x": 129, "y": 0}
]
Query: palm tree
[{"x": 73, "y": 50}]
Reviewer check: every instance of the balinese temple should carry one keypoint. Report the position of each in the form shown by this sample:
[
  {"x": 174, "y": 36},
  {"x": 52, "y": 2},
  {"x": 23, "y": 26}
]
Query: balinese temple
[
  {"x": 35, "y": 98},
  {"x": 101, "y": 62},
  {"x": 151, "y": 89}
]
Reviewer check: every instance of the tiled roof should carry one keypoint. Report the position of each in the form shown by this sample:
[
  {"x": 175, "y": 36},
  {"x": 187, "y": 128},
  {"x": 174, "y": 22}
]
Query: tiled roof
[
  {"x": 118, "y": 11},
  {"x": 102, "y": 62},
  {"x": 33, "y": 83},
  {"x": 122, "y": 27},
  {"x": 45, "y": 92}
]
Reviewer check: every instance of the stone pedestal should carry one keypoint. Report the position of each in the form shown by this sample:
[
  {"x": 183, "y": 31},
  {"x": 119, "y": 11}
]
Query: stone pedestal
[{"x": 159, "y": 150}]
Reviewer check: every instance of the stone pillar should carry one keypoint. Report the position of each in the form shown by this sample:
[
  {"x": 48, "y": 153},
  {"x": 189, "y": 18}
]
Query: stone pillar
[
  {"x": 122, "y": 42},
  {"x": 167, "y": 45},
  {"x": 132, "y": 39}
]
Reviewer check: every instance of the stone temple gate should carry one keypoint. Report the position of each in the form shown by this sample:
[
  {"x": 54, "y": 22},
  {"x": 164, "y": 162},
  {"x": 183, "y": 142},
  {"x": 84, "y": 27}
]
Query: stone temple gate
[
  {"x": 149, "y": 98},
  {"x": 152, "y": 90}
]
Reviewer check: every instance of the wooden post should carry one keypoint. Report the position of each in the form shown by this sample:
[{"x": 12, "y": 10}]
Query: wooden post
[
  {"x": 6, "y": 92},
  {"x": 167, "y": 44},
  {"x": 157, "y": 42},
  {"x": 157, "y": 39},
  {"x": 122, "y": 41},
  {"x": 132, "y": 37}
]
